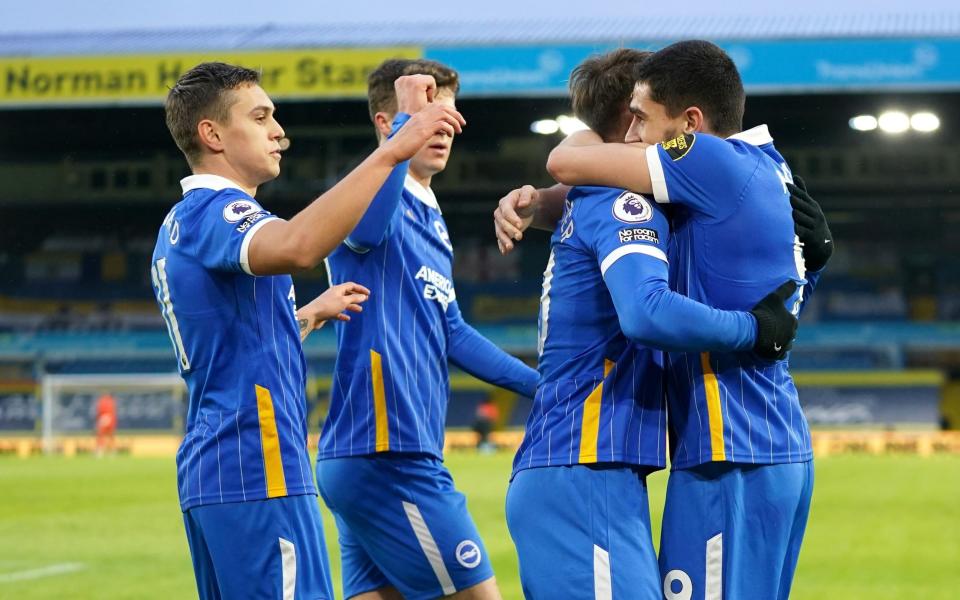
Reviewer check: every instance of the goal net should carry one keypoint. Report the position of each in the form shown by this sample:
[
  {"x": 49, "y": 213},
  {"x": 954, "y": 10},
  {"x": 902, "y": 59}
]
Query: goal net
[{"x": 145, "y": 403}]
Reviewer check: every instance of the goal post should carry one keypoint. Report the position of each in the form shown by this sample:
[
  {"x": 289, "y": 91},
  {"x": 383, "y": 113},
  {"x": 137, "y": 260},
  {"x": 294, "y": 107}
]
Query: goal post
[{"x": 145, "y": 402}]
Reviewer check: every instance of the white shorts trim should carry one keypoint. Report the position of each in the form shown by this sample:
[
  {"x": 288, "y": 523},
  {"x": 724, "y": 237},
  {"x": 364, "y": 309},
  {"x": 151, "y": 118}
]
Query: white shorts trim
[
  {"x": 288, "y": 562},
  {"x": 602, "y": 583},
  {"x": 429, "y": 547}
]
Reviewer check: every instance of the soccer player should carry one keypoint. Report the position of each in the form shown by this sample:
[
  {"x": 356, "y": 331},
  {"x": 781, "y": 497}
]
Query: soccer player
[
  {"x": 404, "y": 528},
  {"x": 220, "y": 273},
  {"x": 739, "y": 494},
  {"x": 578, "y": 495},
  {"x": 106, "y": 423}
]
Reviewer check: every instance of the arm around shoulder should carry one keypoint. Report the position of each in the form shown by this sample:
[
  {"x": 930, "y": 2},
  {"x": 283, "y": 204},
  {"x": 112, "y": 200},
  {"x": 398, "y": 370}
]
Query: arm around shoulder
[{"x": 583, "y": 160}]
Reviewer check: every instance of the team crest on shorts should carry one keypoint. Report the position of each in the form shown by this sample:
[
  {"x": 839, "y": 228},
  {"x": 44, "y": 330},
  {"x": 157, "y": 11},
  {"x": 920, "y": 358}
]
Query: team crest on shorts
[
  {"x": 238, "y": 209},
  {"x": 468, "y": 554},
  {"x": 632, "y": 208}
]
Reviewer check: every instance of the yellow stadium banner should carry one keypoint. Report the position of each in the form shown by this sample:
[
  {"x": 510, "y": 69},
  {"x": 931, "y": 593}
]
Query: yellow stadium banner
[{"x": 145, "y": 79}]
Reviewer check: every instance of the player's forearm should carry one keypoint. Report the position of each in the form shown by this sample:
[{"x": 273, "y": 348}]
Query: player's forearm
[
  {"x": 375, "y": 223},
  {"x": 549, "y": 207},
  {"x": 605, "y": 164},
  {"x": 481, "y": 358},
  {"x": 653, "y": 315},
  {"x": 306, "y": 239}
]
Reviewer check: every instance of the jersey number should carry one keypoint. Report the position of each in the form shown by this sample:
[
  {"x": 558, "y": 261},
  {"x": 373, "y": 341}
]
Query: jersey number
[
  {"x": 159, "y": 275},
  {"x": 544, "y": 322}
]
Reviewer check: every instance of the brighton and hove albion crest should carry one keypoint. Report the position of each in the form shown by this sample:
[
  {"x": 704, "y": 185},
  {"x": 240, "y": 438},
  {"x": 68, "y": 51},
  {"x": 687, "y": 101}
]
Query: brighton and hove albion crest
[{"x": 632, "y": 208}]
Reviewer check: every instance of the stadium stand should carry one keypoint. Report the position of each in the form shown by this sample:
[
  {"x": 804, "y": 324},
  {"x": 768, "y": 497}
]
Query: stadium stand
[{"x": 74, "y": 280}]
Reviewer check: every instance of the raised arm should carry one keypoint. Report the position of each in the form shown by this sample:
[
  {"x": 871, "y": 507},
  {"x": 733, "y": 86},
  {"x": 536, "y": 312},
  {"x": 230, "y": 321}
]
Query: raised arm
[
  {"x": 302, "y": 242},
  {"x": 414, "y": 93},
  {"x": 373, "y": 227}
]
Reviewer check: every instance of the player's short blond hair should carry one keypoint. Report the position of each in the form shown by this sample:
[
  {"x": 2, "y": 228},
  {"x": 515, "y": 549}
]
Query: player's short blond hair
[{"x": 600, "y": 88}]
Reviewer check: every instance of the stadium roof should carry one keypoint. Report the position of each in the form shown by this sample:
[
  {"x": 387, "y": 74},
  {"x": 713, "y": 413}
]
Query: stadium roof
[{"x": 57, "y": 28}]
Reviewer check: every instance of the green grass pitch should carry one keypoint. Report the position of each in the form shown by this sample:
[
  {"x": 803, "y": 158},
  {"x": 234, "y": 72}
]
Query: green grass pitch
[{"x": 881, "y": 527}]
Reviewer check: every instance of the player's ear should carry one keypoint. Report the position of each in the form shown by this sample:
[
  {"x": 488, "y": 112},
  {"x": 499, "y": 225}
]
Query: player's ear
[
  {"x": 382, "y": 121},
  {"x": 209, "y": 134},
  {"x": 693, "y": 120}
]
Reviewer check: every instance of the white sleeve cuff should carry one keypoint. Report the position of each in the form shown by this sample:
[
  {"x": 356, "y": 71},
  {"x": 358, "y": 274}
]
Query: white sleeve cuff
[
  {"x": 245, "y": 245},
  {"x": 656, "y": 175},
  {"x": 622, "y": 251}
]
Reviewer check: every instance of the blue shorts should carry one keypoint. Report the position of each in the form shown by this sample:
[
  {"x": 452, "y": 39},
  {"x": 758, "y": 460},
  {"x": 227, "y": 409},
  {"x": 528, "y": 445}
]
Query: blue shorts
[
  {"x": 734, "y": 530},
  {"x": 264, "y": 549},
  {"x": 402, "y": 524},
  {"x": 583, "y": 532}
]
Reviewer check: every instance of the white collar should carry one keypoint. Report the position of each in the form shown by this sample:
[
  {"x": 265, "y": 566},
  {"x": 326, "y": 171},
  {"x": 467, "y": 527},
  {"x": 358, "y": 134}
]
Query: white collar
[
  {"x": 207, "y": 181},
  {"x": 423, "y": 194},
  {"x": 757, "y": 136}
]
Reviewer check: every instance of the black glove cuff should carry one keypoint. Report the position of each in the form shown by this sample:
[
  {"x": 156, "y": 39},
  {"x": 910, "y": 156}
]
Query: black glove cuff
[{"x": 766, "y": 334}]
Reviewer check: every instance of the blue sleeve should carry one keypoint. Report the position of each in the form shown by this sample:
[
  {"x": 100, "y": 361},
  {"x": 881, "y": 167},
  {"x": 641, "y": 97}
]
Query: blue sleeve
[
  {"x": 375, "y": 223},
  {"x": 481, "y": 358},
  {"x": 653, "y": 315},
  {"x": 221, "y": 238},
  {"x": 812, "y": 277},
  {"x": 628, "y": 240},
  {"x": 700, "y": 171}
]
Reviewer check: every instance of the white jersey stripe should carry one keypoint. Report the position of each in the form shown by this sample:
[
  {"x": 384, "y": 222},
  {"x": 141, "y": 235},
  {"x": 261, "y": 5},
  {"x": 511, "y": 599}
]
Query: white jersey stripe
[
  {"x": 245, "y": 245},
  {"x": 630, "y": 249}
]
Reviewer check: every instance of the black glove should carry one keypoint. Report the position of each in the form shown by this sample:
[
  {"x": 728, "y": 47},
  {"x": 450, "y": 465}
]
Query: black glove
[
  {"x": 810, "y": 226},
  {"x": 776, "y": 326}
]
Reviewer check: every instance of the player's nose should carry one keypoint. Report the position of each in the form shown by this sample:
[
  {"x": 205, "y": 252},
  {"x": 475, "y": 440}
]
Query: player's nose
[
  {"x": 633, "y": 132},
  {"x": 277, "y": 132}
]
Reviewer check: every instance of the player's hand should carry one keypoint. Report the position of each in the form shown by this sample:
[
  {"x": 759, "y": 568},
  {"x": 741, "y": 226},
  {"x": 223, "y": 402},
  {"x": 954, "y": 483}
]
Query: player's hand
[
  {"x": 513, "y": 216},
  {"x": 414, "y": 92},
  {"x": 776, "y": 326},
  {"x": 435, "y": 119},
  {"x": 810, "y": 225},
  {"x": 332, "y": 304}
]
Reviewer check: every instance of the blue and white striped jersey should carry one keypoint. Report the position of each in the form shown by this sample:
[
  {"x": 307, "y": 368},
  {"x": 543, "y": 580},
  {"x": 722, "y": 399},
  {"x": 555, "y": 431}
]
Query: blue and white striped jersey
[
  {"x": 600, "y": 397},
  {"x": 733, "y": 243},
  {"x": 238, "y": 349},
  {"x": 391, "y": 383}
]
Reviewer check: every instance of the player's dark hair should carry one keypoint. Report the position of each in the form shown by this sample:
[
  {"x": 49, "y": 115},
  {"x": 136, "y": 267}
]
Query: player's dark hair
[
  {"x": 201, "y": 93},
  {"x": 600, "y": 88},
  {"x": 697, "y": 73},
  {"x": 380, "y": 93}
]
